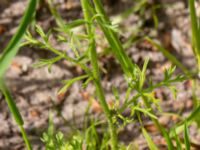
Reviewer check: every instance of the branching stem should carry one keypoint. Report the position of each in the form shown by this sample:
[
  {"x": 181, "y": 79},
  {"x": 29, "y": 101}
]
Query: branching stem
[{"x": 96, "y": 72}]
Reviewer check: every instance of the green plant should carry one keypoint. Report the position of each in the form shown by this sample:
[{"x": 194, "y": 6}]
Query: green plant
[
  {"x": 89, "y": 139},
  {"x": 195, "y": 31},
  {"x": 141, "y": 103},
  {"x": 169, "y": 56},
  {"x": 136, "y": 77},
  {"x": 94, "y": 16},
  {"x": 96, "y": 74},
  {"x": 195, "y": 28},
  {"x": 5, "y": 59},
  {"x": 55, "y": 141}
]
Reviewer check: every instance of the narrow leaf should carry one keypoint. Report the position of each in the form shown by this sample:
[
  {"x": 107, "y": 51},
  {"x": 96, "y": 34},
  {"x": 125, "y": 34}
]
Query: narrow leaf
[
  {"x": 178, "y": 142},
  {"x": 143, "y": 74},
  {"x": 166, "y": 53},
  {"x": 68, "y": 83},
  {"x": 186, "y": 136},
  {"x": 12, "y": 48},
  {"x": 149, "y": 140},
  {"x": 189, "y": 120},
  {"x": 11, "y": 104}
]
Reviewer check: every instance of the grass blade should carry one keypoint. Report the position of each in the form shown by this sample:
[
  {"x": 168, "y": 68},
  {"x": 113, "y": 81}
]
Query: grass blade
[
  {"x": 170, "y": 145},
  {"x": 143, "y": 74},
  {"x": 178, "y": 142},
  {"x": 195, "y": 28},
  {"x": 112, "y": 38},
  {"x": 14, "y": 111},
  {"x": 56, "y": 15},
  {"x": 12, "y": 48},
  {"x": 195, "y": 31},
  {"x": 169, "y": 56},
  {"x": 150, "y": 143},
  {"x": 8, "y": 54},
  {"x": 11, "y": 104},
  {"x": 189, "y": 119},
  {"x": 186, "y": 136},
  {"x": 96, "y": 73}
]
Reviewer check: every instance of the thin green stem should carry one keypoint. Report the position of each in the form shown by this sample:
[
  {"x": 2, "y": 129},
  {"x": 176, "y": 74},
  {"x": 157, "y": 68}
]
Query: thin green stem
[
  {"x": 96, "y": 72},
  {"x": 9, "y": 52},
  {"x": 25, "y": 137},
  {"x": 13, "y": 46},
  {"x": 195, "y": 31},
  {"x": 11, "y": 103},
  {"x": 111, "y": 36},
  {"x": 127, "y": 66},
  {"x": 14, "y": 111},
  {"x": 158, "y": 125},
  {"x": 63, "y": 55},
  {"x": 168, "y": 55}
]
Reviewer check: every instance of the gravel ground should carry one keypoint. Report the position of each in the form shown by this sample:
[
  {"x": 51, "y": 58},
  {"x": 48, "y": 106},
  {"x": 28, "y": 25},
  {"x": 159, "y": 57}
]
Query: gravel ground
[{"x": 35, "y": 90}]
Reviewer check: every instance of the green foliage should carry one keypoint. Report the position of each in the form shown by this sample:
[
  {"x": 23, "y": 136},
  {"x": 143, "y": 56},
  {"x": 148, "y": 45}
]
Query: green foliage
[
  {"x": 112, "y": 38},
  {"x": 186, "y": 136},
  {"x": 68, "y": 83},
  {"x": 12, "y": 48},
  {"x": 195, "y": 31},
  {"x": 178, "y": 142},
  {"x": 168, "y": 55},
  {"x": 11, "y": 103},
  {"x": 139, "y": 97},
  {"x": 57, "y": 141},
  {"x": 5, "y": 60},
  {"x": 151, "y": 144},
  {"x": 136, "y": 83},
  {"x": 190, "y": 119},
  {"x": 88, "y": 140}
]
